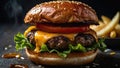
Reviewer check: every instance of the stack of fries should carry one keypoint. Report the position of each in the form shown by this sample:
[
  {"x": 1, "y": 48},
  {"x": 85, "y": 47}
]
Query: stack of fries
[{"x": 108, "y": 27}]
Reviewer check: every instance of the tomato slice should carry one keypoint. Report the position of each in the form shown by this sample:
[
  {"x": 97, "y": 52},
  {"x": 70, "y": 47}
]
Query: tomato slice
[{"x": 59, "y": 29}]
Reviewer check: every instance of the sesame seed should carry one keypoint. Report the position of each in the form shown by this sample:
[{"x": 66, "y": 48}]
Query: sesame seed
[
  {"x": 85, "y": 8},
  {"x": 74, "y": 9},
  {"x": 64, "y": 8},
  {"x": 54, "y": 6}
]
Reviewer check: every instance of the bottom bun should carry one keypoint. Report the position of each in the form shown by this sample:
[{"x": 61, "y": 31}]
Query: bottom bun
[{"x": 53, "y": 59}]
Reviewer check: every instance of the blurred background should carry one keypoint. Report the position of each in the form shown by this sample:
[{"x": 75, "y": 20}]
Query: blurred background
[{"x": 13, "y": 11}]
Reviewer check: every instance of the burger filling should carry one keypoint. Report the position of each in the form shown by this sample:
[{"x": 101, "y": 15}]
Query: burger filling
[{"x": 59, "y": 43}]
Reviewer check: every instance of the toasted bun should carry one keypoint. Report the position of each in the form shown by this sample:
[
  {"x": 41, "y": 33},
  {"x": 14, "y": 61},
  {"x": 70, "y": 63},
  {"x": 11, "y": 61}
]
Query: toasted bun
[
  {"x": 61, "y": 12},
  {"x": 54, "y": 59}
]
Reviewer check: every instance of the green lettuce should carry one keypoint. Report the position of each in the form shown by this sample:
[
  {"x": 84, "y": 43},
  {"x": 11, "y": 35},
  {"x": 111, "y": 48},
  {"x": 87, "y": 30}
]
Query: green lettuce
[
  {"x": 21, "y": 42},
  {"x": 64, "y": 54}
]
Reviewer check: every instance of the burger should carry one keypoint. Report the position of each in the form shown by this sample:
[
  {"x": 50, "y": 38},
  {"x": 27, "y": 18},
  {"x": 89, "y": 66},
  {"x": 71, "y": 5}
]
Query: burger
[{"x": 60, "y": 34}]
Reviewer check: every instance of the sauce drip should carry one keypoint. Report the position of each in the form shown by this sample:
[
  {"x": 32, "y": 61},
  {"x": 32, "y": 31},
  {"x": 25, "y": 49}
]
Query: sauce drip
[
  {"x": 18, "y": 66},
  {"x": 11, "y": 55}
]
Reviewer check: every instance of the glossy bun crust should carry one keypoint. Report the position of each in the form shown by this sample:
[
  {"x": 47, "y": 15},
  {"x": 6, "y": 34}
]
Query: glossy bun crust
[
  {"x": 53, "y": 59},
  {"x": 61, "y": 12}
]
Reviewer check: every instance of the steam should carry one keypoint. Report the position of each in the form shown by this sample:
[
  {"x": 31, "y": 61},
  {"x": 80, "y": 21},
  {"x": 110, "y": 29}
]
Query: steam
[{"x": 13, "y": 10}]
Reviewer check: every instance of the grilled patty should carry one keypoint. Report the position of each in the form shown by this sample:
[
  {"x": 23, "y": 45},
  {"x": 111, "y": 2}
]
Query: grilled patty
[{"x": 61, "y": 42}]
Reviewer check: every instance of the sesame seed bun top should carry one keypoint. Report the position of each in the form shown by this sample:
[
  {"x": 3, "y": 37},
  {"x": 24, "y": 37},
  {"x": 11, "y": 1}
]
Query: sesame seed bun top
[{"x": 61, "y": 12}]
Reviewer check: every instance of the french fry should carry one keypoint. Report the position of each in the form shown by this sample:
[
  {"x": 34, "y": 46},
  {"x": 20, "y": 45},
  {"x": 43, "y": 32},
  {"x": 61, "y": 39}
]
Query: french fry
[
  {"x": 113, "y": 34},
  {"x": 98, "y": 27},
  {"x": 107, "y": 27},
  {"x": 110, "y": 26},
  {"x": 117, "y": 29},
  {"x": 105, "y": 19},
  {"x": 101, "y": 26}
]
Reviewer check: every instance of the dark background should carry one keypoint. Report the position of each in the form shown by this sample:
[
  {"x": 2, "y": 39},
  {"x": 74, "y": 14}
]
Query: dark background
[
  {"x": 15, "y": 10},
  {"x": 12, "y": 13}
]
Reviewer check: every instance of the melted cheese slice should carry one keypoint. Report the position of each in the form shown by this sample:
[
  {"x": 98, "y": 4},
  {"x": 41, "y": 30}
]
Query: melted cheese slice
[
  {"x": 41, "y": 37},
  {"x": 29, "y": 29}
]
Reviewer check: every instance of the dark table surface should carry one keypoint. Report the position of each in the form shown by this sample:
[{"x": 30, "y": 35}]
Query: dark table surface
[{"x": 7, "y": 32}]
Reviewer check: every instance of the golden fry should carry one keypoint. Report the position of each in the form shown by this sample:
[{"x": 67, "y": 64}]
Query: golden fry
[
  {"x": 110, "y": 26},
  {"x": 117, "y": 29},
  {"x": 98, "y": 27},
  {"x": 113, "y": 34},
  {"x": 107, "y": 27},
  {"x": 105, "y": 19}
]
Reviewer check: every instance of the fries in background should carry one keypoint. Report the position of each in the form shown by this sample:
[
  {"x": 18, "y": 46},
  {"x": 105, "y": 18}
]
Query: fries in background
[
  {"x": 105, "y": 19},
  {"x": 108, "y": 27}
]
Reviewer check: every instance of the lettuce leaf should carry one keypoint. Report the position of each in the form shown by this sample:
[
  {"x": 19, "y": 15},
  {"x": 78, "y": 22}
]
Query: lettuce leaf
[
  {"x": 64, "y": 54},
  {"x": 101, "y": 45},
  {"x": 21, "y": 42},
  {"x": 78, "y": 47}
]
